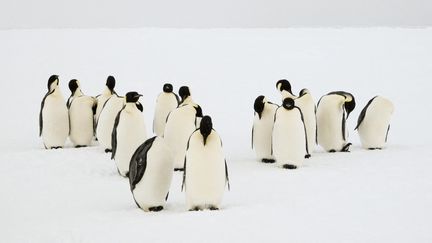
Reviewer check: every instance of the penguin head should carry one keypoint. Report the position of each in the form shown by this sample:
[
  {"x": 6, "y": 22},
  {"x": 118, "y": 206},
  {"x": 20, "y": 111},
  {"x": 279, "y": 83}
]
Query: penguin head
[
  {"x": 284, "y": 84},
  {"x": 184, "y": 92},
  {"x": 288, "y": 103},
  {"x": 303, "y": 92},
  {"x": 206, "y": 127},
  {"x": 198, "y": 111},
  {"x": 167, "y": 88},
  {"x": 349, "y": 104},
  {"x": 132, "y": 97},
  {"x": 259, "y": 105},
  {"x": 110, "y": 83},
  {"x": 53, "y": 82},
  {"x": 73, "y": 85}
]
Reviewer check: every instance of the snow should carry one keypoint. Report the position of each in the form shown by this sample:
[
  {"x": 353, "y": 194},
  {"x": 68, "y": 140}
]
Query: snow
[{"x": 75, "y": 195}]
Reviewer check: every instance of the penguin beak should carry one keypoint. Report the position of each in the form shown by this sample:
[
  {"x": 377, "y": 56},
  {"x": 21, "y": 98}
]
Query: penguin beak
[
  {"x": 138, "y": 95},
  {"x": 205, "y": 140}
]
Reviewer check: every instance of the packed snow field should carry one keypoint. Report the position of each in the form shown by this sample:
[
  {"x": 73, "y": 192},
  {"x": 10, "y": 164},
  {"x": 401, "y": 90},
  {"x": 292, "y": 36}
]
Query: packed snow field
[{"x": 76, "y": 195}]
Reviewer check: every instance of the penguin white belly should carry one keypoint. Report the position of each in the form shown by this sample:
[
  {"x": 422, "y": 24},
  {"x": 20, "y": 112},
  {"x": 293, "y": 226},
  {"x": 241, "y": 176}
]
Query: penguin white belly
[
  {"x": 100, "y": 103},
  {"x": 154, "y": 186},
  {"x": 131, "y": 133},
  {"x": 205, "y": 172},
  {"x": 81, "y": 121},
  {"x": 106, "y": 121},
  {"x": 307, "y": 106},
  {"x": 164, "y": 106},
  {"x": 289, "y": 142},
  {"x": 329, "y": 124},
  {"x": 262, "y": 134},
  {"x": 55, "y": 122}
]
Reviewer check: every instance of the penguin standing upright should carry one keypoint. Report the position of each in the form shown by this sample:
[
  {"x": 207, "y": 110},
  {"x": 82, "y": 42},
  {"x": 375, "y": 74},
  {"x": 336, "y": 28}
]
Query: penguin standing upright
[
  {"x": 128, "y": 133},
  {"x": 165, "y": 103},
  {"x": 106, "y": 94},
  {"x": 289, "y": 135},
  {"x": 373, "y": 123},
  {"x": 150, "y": 174},
  {"x": 262, "y": 129},
  {"x": 332, "y": 112},
  {"x": 80, "y": 116},
  {"x": 206, "y": 172},
  {"x": 106, "y": 120},
  {"x": 307, "y": 106},
  {"x": 53, "y": 116},
  {"x": 181, "y": 123},
  {"x": 284, "y": 87}
]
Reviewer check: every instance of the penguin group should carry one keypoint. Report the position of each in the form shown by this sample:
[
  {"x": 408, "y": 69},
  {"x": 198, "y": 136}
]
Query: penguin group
[
  {"x": 184, "y": 141},
  {"x": 287, "y": 134}
]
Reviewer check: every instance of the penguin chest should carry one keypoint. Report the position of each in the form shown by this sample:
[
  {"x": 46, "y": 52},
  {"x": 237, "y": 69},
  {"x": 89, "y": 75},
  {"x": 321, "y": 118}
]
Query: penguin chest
[
  {"x": 81, "y": 121},
  {"x": 55, "y": 121},
  {"x": 262, "y": 135}
]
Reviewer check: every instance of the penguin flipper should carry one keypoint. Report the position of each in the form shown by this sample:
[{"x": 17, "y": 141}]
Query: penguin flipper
[
  {"x": 114, "y": 134},
  {"x": 363, "y": 113},
  {"x": 184, "y": 176},
  {"x": 343, "y": 126},
  {"x": 40, "y": 113},
  {"x": 388, "y": 129},
  {"x": 138, "y": 163},
  {"x": 226, "y": 176},
  {"x": 252, "y": 140},
  {"x": 139, "y": 106}
]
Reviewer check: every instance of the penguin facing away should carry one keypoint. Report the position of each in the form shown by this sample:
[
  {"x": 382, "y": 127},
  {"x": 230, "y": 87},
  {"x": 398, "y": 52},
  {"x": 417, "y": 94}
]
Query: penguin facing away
[
  {"x": 284, "y": 87},
  {"x": 181, "y": 123},
  {"x": 332, "y": 112},
  {"x": 185, "y": 95},
  {"x": 373, "y": 123},
  {"x": 289, "y": 136},
  {"x": 128, "y": 133},
  {"x": 150, "y": 174},
  {"x": 106, "y": 94},
  {"x": 262, "y": 129},
  {"x": 53, "y": 116},
  {"x": 206, "y": 172},
  {"x": 106, "y": 121},
  {"x": 307, "y": 106},
  {"x": 165, "y": 103},
  {"x": 81, "y": 120}
]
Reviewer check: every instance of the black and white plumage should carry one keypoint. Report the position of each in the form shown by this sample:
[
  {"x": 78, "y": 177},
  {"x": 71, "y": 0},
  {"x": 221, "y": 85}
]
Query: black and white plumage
[
  {"x": 186, "y": 97},
  {"x": 150, "y": 174},
  {"x": 53, "y": 116},
  {"x": 166, "y": 102},
  {"x": 284, "y": 87},
  {"x": 128, "y": 133},
  {"x": 104, "y": 96},
  {"x": 105, "y": 122},
  {"x": 307, "y": 106},
  {"x": 206, "y": 172},
  {"x": 373, "y": 123}
]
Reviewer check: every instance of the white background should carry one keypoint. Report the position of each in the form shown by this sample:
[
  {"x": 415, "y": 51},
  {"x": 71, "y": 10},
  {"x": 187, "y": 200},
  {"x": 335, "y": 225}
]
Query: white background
[{"x": 211, "y": 14}]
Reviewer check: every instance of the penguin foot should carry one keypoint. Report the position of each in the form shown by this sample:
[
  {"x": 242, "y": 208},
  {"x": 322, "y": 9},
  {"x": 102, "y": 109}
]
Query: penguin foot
[
  {"x": 371, "y": 148},
  {"x": 108, "y": 150},
  {"x": 196, "y": 208},
  {"x": 57, "y": 147},
  {"x": 80, "y": 146},
  {"x": 212, "y": 208},
  {"x": 155, "y": 209},
  {"x": 288, "y": 166},
  {"x": 178, "y": 169},
  {"x": 268, "y": 161},
  {"x": 346, "y": 147},
  {"x": 307, "y": 156}
]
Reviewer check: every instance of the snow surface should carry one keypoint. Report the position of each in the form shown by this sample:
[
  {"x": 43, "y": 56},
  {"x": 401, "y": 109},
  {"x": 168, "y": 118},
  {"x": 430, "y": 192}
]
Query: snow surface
[{"x": 76, "y": 195}]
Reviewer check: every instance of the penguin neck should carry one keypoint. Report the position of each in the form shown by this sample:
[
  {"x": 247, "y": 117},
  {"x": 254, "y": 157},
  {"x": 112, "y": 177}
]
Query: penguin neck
[
  {"x": 287, "y": 94},
  {"x": 188, "y": 100},
  {"x": 107, "y": 91},
  {"x": 77, "y": 93},
  {"x": 131, "y": 107}
]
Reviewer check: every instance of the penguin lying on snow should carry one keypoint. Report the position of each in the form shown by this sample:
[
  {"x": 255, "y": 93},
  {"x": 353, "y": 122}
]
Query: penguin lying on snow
[
  {"x": 332, "y": 112},
  {"x": 53, "y": 116},
  {"x": 128, "y": 133},
  {"x": 206, "y": 173},
  {"x": 262, "y": 129},
  {"x": 150, "y": 174},
  {"x": 373, "y": 123},
  {"x": 165, "y": 103}
]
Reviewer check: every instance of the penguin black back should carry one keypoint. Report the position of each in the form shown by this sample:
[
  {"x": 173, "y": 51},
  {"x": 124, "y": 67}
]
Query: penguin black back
[{"x": 138, "y": 162}]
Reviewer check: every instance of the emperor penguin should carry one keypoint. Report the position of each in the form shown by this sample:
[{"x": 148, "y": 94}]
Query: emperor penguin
[
  {"x": 181, "y": 123},
  {"x": 262, "y": 129},
  {"x": 80, "y": 116},
  {"x": 53, "y": 116},
  {"x": 284, "y": 87},
  {"x": 206, "y": 172},
  {"x": 106, "y": 94},
  {"x": 373, "y": 123},
  {"x": 105, "y": 123},
  {"x": 185, "y": 96},
  {"x": 289, "y": 136},
  {"x": 165, "y": 103},
  {"x": 128, "y": 133},
  {"x": 332, "y": 112},
  {"x": 307, "y": 106},
  {"x": 150, "y": 174}
]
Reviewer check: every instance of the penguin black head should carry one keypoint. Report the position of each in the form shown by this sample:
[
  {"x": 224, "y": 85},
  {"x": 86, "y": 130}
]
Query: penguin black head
[
  {"x": 167, "y": 88},
  {"x": 303, "y": 92},
  {"x": 350, "y": 105},
  {"x": 206, "y": 127},
  {"x": 259, "y": 105},
  {"x": 51, "y": 80},
  {"x": 198, "y": 111},
  {"x": 283, "y": 84},
  {"x": 110, "y": 83},
  {"x": 73, "y": 85},
  {"x": 288, "y": 103},
  {"x": 132, "y": 97},
  {"x": 184, "y": 92}
]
